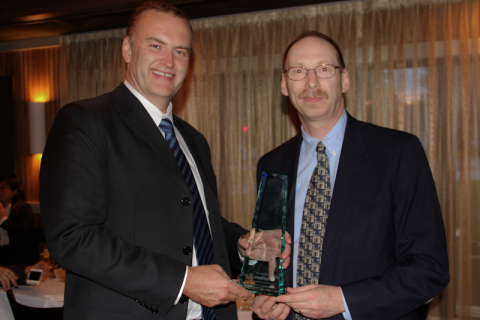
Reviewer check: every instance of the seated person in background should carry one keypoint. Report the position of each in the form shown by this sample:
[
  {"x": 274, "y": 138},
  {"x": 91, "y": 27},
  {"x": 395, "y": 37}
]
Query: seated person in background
[
  {"x": 14, "y": 275},
  {"x": 16, "y": 222}
]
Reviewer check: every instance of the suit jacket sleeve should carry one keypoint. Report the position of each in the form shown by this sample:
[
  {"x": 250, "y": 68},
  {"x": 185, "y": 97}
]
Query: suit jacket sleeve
[{"x": 416, "y": 266}]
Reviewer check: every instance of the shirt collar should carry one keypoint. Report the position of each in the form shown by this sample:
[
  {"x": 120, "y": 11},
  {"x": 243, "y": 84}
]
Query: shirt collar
[
  {"x": 333, "y": 140},
  {"x": 153, "y": 111}
]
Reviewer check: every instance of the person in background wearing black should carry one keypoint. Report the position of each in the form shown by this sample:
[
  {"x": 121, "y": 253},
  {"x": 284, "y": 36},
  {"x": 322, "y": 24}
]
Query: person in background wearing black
[{"x": 16, "y": 224}]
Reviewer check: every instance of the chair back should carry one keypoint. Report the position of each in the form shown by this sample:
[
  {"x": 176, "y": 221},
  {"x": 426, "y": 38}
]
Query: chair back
[{"x": 21, "y": 312}]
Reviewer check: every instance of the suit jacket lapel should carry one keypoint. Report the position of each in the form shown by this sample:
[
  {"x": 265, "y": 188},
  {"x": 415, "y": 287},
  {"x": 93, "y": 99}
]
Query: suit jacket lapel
[
  {"x": 137, "y": 118},
  {"x": 349, "y": 177},
  {"x": 291, "y": 162}
]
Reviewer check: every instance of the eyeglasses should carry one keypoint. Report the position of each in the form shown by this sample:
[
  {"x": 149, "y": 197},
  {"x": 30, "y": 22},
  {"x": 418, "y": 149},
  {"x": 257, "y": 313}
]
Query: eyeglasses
[{"x": 323, "y": 71}]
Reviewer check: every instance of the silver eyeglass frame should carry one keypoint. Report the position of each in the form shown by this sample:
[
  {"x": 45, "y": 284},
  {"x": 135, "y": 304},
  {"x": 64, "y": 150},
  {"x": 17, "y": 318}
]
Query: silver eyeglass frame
[{"x": 316, "y": 74}]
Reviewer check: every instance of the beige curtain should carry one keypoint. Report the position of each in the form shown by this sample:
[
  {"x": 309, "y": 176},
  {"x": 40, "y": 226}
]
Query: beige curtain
[
  {"x": 91, "y": 64},
  {"x": 414, "y": 65},
  {"x": 35, "y": 79}
]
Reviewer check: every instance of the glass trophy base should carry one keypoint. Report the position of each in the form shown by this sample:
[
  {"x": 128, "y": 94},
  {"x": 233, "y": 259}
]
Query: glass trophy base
[{"x": 259, "y": 282}]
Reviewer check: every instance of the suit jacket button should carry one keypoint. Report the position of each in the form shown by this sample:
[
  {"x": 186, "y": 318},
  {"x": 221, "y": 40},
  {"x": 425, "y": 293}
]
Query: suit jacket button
[
  {"x": 186, "y": 201},
  {"x": 187, "y": 250}
]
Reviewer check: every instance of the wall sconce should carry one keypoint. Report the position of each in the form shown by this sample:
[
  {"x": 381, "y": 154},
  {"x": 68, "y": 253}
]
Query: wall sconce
[{"x": 36, "y": 113}]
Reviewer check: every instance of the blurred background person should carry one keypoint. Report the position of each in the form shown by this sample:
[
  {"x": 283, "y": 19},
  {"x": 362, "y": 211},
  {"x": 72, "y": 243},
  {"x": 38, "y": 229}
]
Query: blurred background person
[{"x": 17, "y": 242}]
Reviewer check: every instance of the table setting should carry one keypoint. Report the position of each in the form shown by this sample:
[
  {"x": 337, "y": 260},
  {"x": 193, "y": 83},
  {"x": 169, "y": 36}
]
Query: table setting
[{"x": 49, "y": 293}]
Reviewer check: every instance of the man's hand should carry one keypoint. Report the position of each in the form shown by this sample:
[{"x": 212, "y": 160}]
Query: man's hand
[
  {"x": 39, "y": 265},
  {"x": 267, "y": 308},
  {"x": 266, "y": 246},
  {"x": 314, "y": 301},
  {"x": 210, "y": 286},
  {"x": 7, "y": 278}
]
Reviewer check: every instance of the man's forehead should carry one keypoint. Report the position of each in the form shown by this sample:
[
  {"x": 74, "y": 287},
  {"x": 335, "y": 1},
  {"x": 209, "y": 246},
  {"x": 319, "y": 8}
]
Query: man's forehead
[
  {"x": 312, "y": 48},
  {"x": 154, "y": 18}
]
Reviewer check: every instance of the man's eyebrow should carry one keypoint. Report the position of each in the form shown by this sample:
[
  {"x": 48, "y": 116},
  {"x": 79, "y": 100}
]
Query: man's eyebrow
[
  {"x": 185, "y": 48},
  {"x": 164, "y": 43},
  {"x": 156, "y": 40}
]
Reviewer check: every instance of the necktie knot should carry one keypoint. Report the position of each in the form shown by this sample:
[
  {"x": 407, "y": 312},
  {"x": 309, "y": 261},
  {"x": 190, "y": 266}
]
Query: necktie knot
[
  {"x": 320, "y": 147},
  {"x": 321, "y": 153},
  {"x": 167, "y": 127}
]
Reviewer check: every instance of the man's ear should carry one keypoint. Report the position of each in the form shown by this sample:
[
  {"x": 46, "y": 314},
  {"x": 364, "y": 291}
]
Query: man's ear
[
  {"x": 283, "y": 85},
  {"x": 127, "y": 49},
  {"x": 345, "y": 81}
]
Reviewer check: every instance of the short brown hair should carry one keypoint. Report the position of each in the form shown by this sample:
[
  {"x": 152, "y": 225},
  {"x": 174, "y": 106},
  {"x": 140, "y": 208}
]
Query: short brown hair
[
  {"x": 316, "y": 34},
  {"x": 157, "y": 6},
  {"x": 12, "y": 181}
]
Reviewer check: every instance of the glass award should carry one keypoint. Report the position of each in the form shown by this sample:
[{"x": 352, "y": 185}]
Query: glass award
[{"x": 262, "y": 271}]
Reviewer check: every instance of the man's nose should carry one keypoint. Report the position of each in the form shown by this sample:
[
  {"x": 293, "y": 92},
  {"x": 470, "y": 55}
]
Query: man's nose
[
  {"x": 167, "y": 60},
  {"x": 312, "y": 80}
]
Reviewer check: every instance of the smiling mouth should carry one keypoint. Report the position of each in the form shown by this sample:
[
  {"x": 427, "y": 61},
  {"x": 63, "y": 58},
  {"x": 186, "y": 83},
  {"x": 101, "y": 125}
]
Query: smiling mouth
[{"x": 163, "y": 74}]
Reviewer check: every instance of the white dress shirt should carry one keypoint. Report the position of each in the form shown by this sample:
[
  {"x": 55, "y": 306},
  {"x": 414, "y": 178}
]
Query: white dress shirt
[{"x": 194, "y": 309}]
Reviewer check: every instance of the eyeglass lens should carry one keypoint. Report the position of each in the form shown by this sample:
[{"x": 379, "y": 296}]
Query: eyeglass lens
[{"x": 299, "y": 73}]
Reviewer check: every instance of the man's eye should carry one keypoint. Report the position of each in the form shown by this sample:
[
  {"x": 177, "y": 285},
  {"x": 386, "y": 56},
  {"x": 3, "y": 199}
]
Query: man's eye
[
  {"x": 298, "y": 70},
  {"x": 155, "y": 46}
]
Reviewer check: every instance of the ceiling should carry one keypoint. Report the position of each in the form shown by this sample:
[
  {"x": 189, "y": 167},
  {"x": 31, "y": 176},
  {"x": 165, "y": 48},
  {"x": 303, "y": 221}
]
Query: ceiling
[{"x": 29, "y": 19}]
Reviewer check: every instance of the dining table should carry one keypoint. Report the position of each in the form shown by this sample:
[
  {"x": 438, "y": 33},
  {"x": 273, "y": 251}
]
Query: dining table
[{"x": 48, "y": 294}]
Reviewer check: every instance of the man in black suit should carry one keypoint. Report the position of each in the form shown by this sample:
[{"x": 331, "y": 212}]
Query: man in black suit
[
  {"x": 382, "y": 253},
  {"x": 117, "y": 210}
]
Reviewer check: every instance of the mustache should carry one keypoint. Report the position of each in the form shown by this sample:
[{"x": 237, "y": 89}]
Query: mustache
[{"x": 315, "y": 93}]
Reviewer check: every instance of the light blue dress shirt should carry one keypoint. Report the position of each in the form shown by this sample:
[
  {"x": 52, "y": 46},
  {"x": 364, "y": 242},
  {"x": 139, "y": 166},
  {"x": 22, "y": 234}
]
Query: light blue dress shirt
[{"x": 307, "y": 162}]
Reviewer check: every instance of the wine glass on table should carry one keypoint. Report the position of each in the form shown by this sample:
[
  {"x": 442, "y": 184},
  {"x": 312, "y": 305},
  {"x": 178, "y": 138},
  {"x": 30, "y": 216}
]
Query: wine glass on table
[{"x": 45, "y": 256}]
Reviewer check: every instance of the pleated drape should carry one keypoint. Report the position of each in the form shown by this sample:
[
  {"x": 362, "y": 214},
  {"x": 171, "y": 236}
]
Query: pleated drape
[{"x": 414, "y": 65}]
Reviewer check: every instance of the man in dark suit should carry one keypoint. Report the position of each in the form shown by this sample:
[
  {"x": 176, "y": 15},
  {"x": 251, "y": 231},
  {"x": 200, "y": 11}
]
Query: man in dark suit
[
  {"x": 118, "y": 210},
  {"x": 369, "y": 240}
]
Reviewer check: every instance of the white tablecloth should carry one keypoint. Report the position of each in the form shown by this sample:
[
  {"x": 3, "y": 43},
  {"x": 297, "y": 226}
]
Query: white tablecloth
[{"x": 49, "y": 294}]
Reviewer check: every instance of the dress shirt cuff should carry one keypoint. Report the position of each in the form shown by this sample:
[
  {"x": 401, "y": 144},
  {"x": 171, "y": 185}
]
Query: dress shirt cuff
[
  {"x": 3, "y": 220},
  {"x": 183, "y": 286},
  {"x": 346, "y": 313}
]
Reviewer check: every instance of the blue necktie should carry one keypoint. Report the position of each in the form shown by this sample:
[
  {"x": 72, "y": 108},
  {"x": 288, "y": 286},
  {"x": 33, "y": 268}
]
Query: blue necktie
[{"x": 202, "y": 238}]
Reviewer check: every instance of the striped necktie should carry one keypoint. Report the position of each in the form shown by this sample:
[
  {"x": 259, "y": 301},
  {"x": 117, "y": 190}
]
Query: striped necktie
[
  {"x": 202, "y": 238},
  {"x": 314, "y": 222}
]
